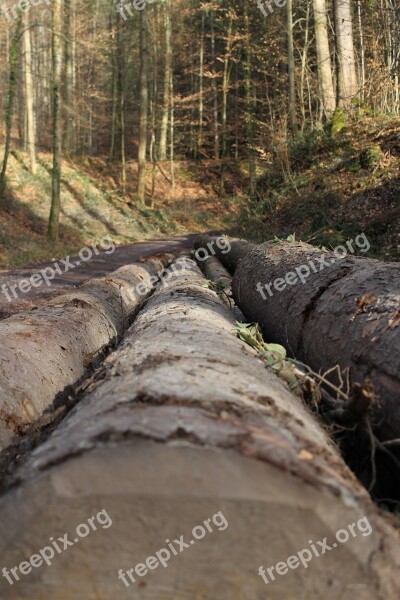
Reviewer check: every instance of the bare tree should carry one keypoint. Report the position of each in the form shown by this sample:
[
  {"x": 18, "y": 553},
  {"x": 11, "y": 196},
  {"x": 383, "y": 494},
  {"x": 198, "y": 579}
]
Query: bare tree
[
  {"x": 56, "y": 61},
  {"x": 144, "y": 97},
  {"x": 325, "y": 76},
  {"x": 346, "y": 66}
]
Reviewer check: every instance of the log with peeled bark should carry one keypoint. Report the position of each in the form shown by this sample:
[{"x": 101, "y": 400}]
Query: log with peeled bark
[
  {"x": 185, "y": 432},
  {"x": 329, "y": 310},
  {"x": 45, "y": 351}
]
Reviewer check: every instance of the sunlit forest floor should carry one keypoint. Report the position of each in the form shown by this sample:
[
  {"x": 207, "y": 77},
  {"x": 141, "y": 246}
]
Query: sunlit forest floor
[
  {"x": 324, "y": 188},
  {"x": 94, "y": 206},
  {"x": 327, "y": 188}
]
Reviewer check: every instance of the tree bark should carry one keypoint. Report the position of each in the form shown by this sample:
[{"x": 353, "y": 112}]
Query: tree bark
[
  {"x": 144, "y": 101},
  {"x": 248, "y": 82},
  {"x": 346, "y": 65},
  {"x": 170, "y": 434},
  {"x": 291, "y": 69},
  {"x": 215, "y": 271},
  {"x": 238, "y": 250},
  {"x": 69, "y": 75},
  {"x": 346, "y": 313},
  {"x": 162, "y": 152},
  {"x": 30, "y": 129},
  {"x": 325, "y": 76},
  {"x": 214, "y": 86},
  {"x": 45, "y": 351},
  {"x": 56, "y": 62},
  {"x": 9, "y": 112}
]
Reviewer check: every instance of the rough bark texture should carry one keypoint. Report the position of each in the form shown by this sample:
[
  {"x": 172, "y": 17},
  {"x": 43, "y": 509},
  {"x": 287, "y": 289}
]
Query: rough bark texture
[
  {"x": 184, "y": 420},
  {"x": 45, "y": 351},
  {"x": 325, "y": 76},
  {"x": 215, "y": 271},
  {"x": 239, "y": 249},
  {"x": 346, "y": 314}
]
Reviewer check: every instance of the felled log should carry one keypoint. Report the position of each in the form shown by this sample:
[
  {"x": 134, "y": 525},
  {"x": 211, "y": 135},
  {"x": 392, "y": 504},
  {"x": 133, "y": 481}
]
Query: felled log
[
  {"x": 228, "y": 250},
  {"x": 183, "y": 426},
  {"x": 214, "y": 270},
  {"x": 45, "y": 351},
  {"x": 329, "y": 310}
]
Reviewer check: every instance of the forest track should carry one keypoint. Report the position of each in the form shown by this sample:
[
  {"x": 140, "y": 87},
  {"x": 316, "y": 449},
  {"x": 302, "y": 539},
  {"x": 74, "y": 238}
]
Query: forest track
[{"x": 96, "y": 267}]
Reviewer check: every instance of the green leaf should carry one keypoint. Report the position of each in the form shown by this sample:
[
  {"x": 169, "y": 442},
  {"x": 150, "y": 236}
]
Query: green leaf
[{"x": 277, "y": 349}]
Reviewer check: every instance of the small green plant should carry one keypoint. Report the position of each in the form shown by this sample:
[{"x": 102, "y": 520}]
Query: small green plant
[
  {"x": 339, "y": 121},
  {"x": 303, "y": 149},
  {"x": 371, "y": 157},
  {"x": 273, "y": 354}
]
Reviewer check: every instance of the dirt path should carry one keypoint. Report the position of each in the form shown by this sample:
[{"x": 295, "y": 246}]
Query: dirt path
[{"x": 97, "y": 266}]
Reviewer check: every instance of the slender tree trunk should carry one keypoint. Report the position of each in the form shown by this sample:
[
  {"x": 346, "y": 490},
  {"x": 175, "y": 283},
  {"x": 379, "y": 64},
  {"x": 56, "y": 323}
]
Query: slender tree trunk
[
  {"x": 114, "y": 79},
  {"x": 56, "y": 53},
  {"x": 362, "y": 51},
  {"x": 225, "y": 91},
  {"x": 153, "y": 107},
  {"x": 215, "y": 89},
  {"x": 304, "y": 60},
  {"x": 30, "y": 129},
  {"x": 291, "y": 68},
  {"x": 346, "y": 65},
  {"x": 144, "y": 93},
  {"x": 172, "y": 132},
  {"x": 249, "y": 103},
  {"x": 167, "y": 82},
  {"x": 201, "y": 84},
  {"x": 325, "y": 76},
  {"x": 69, "y": 26},
  {"x": 9, "y": 113}
]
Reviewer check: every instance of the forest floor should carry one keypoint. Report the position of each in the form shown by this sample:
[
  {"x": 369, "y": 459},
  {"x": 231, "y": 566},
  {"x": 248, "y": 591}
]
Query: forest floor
[
  {"x": 93, "y": 206},
  {"x": 326, "y": 189},
  {"x": 108, "y": 260},
  {"x": 323, "y": 188}
]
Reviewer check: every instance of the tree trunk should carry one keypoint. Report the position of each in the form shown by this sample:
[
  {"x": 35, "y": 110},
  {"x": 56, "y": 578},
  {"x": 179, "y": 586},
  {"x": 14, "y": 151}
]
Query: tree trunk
[
  {"x": 46, "y": 351},
  {"x": 214, "y": 86},
  {"x": 170, "y": 434},
  {"x": 9, "y": 112},
  {"x": 325, "y": 77},
  {"x": 215, "y": 271},
  {"x": 249, "y": 101},
  {"x": 201, "y": 85},
  {"x": 167, "y": 82},
  {"x": 238, "y": 249},
  {"x": 346, "y": 313},
  {"x": 346, "y": 65},
  {"x": 291, "y": 69},
  {"x": 56, "y": 61},
  {"x": 225, "y": 92},
  {"x": 30, "y": 129},
  {"x": 69, "y": 77},
  {"x": 144, "y": 97},
  {"x": 172, "y": 132}
]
